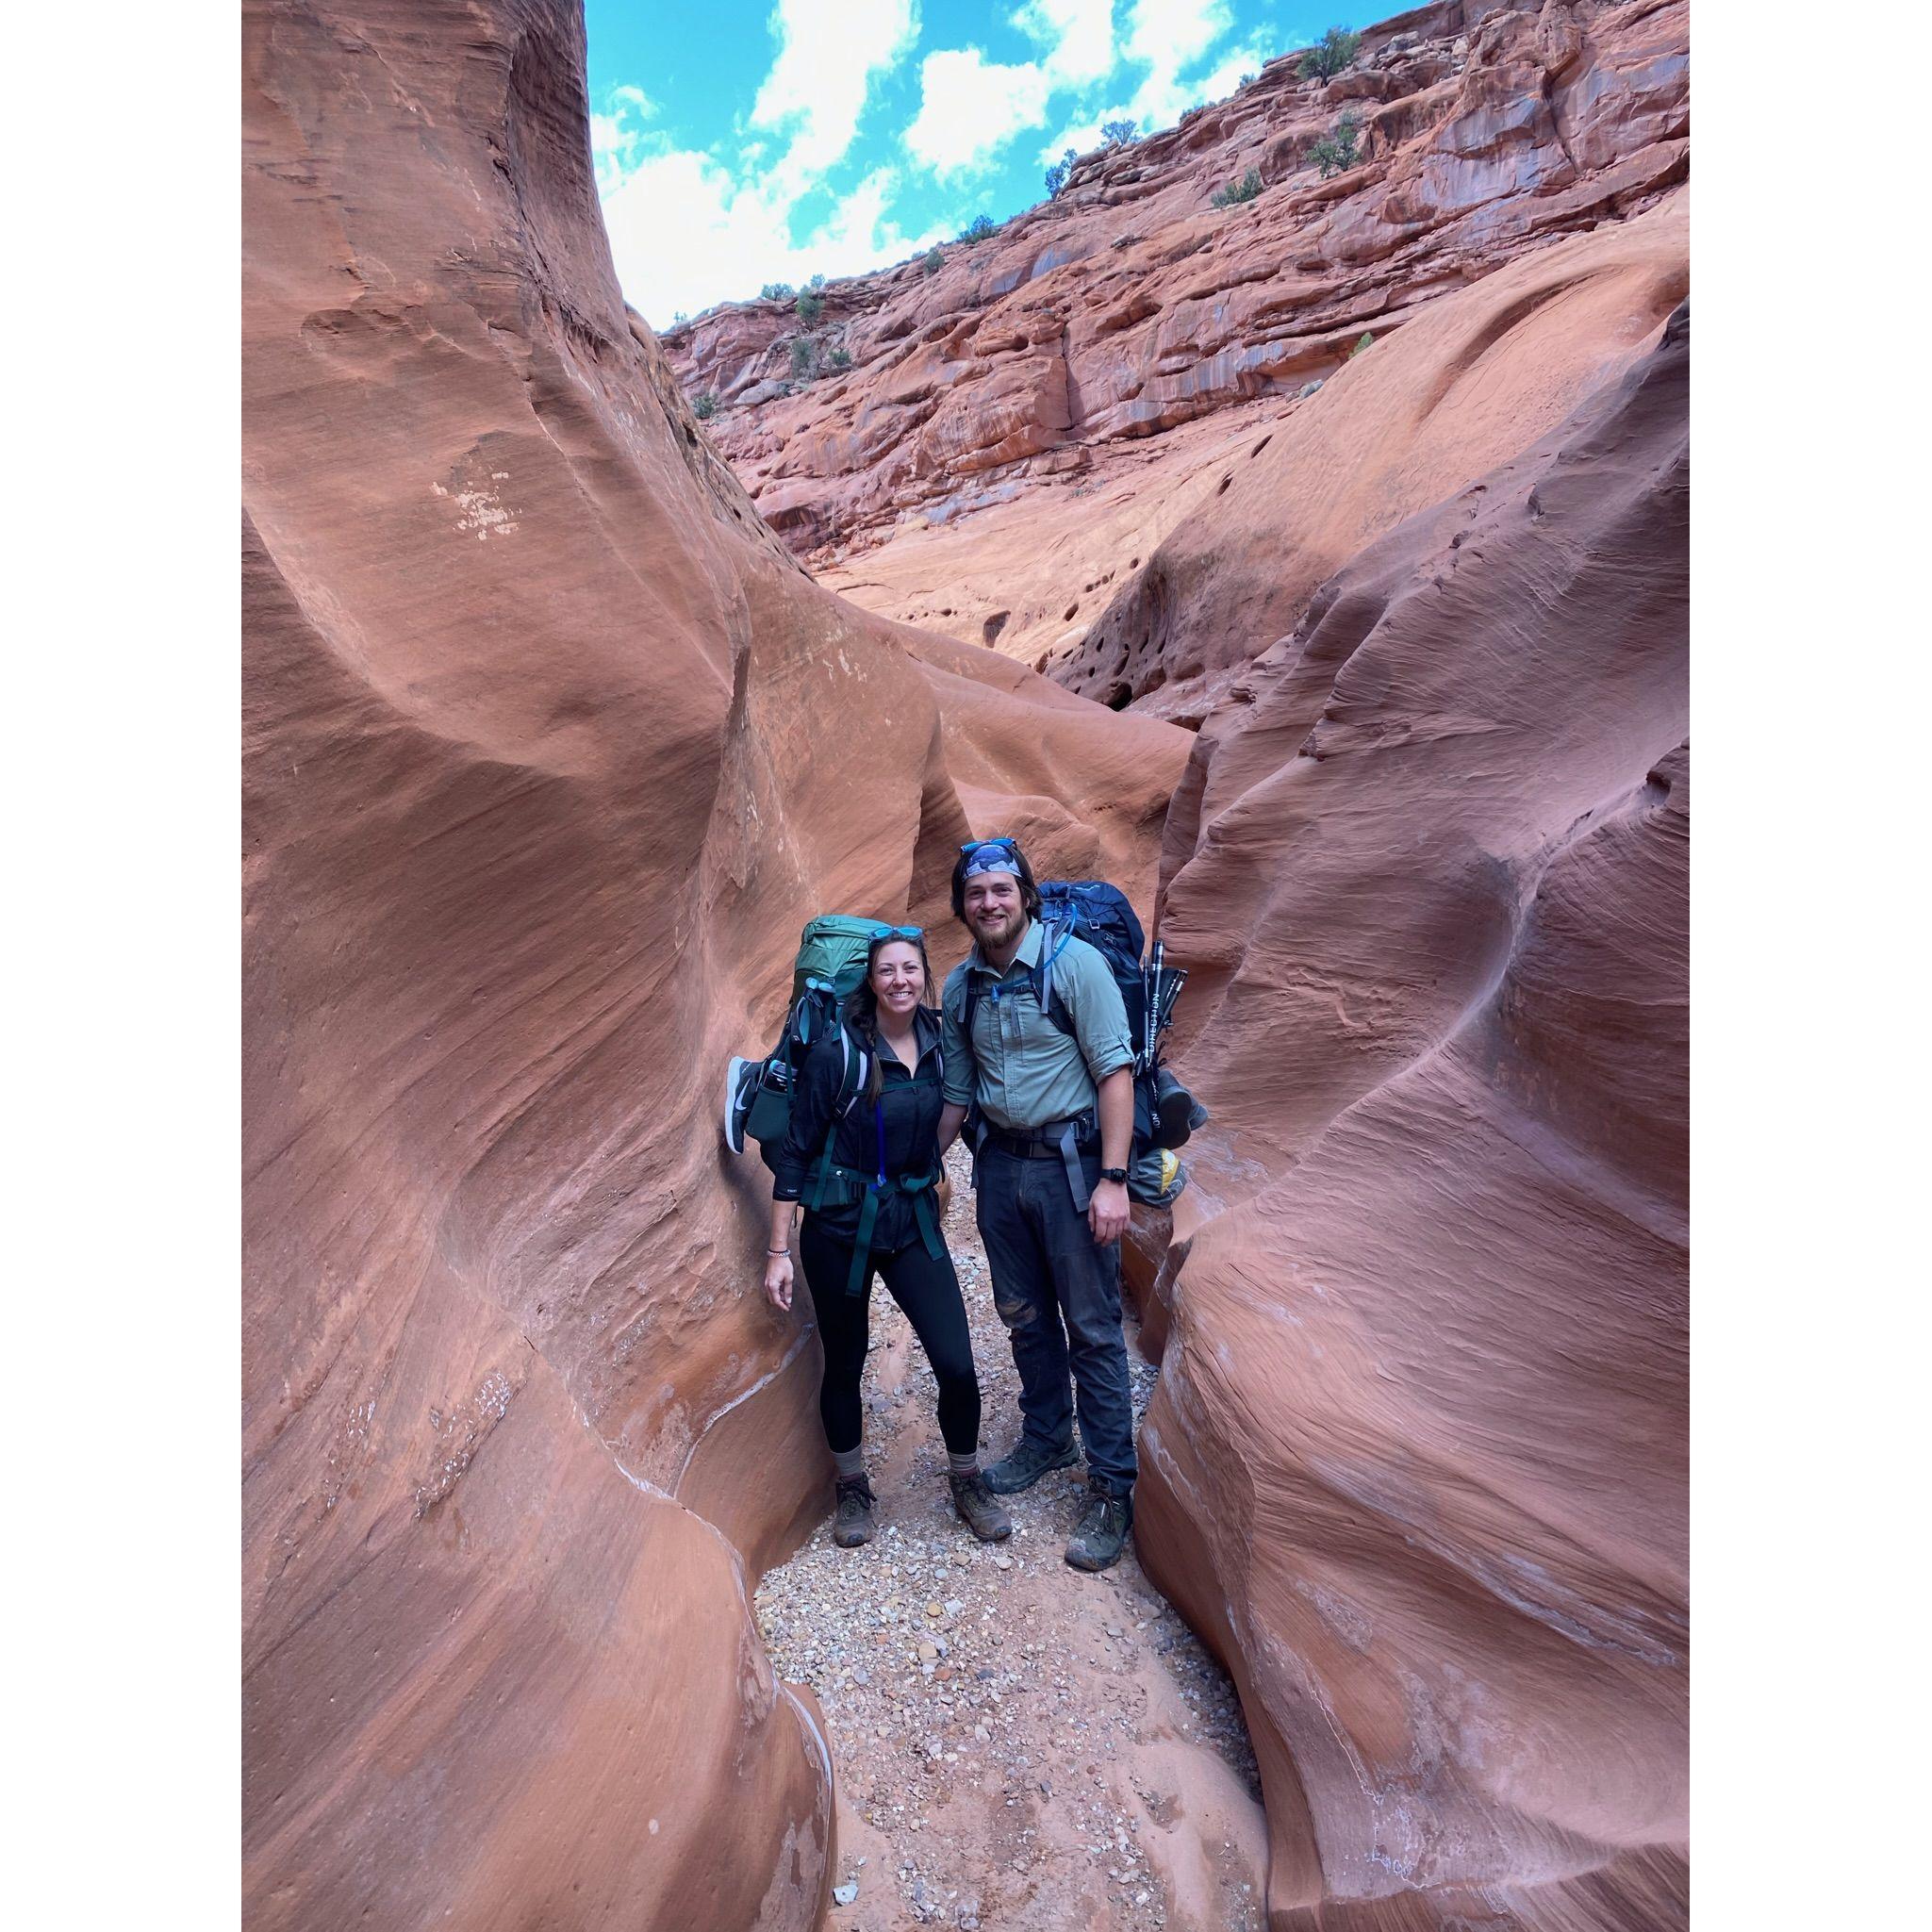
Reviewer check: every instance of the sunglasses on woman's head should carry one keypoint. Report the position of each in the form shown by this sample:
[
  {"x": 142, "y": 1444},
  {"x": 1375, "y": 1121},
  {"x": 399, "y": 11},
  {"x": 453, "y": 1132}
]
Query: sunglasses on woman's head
[{"x": 898, "y": 932}]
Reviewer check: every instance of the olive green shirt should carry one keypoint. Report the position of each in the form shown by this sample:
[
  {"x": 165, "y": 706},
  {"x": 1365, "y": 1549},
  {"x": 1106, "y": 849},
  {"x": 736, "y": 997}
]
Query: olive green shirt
[{"x": 1020, "y": 1067}]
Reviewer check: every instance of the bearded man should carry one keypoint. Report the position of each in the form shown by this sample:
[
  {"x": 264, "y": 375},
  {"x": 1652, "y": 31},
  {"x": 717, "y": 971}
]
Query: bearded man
[{"x": 1050, "y": 1080}]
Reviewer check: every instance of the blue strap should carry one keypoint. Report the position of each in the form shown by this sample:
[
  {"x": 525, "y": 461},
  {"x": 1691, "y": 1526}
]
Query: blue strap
[{"x": 868, "y": 1211}]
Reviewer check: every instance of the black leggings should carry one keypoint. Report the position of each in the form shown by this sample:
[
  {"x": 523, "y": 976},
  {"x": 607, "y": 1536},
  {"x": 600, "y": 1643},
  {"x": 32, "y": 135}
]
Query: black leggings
[{"x": 927, "y": 1291}]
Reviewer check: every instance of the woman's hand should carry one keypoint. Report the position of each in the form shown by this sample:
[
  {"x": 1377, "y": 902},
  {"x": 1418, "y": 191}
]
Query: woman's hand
[{"x": 777, "y": 1280}]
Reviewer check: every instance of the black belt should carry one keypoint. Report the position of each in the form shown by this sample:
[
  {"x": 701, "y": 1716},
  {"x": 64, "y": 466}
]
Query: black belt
[
  {"x": 1025, "y": 1146},
  {"x": 1059, "y": 1140}
]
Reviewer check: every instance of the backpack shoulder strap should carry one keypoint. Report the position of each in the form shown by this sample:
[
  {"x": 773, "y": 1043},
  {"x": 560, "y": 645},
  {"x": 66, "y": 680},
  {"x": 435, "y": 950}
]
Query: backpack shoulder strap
[
  {"x": 1053, "y": 946},
  {"x": 853, "y": 1063}
]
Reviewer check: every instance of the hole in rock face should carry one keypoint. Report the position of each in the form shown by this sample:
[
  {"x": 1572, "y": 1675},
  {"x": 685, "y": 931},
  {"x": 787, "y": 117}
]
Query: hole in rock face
[
  {"x": 990, "y": 630},
  {"x": 1260, "y": 446},
  {"x": 1134, "y": 563},
  {"x": 1222, "y": 490},
  {"x": 1121, "y": 697},
  {"x": 1066, "y": 615}
]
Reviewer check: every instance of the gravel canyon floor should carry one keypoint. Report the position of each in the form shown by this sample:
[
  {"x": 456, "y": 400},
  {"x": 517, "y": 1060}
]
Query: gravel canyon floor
[{"x": 1015, "y": 1746}]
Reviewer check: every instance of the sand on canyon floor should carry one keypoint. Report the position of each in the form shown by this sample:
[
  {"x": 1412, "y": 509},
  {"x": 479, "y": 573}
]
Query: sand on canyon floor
[{"x": 1017, "y": 1745}]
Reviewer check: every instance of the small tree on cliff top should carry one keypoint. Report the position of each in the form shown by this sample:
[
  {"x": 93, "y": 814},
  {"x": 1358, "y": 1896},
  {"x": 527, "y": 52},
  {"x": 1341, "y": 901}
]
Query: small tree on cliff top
[
  {"x": 1057, "y": 173},
  {"x": 1330, "y": 55},
  {"x": 1117, "y": 134}
]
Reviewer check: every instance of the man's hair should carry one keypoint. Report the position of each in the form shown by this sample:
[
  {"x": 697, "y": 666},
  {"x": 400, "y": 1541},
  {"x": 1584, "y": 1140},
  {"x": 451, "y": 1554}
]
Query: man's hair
[{"x": 1029, "y": 892}]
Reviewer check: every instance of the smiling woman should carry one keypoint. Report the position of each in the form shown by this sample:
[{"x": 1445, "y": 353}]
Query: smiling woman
[{"x": 872, "y": 129}]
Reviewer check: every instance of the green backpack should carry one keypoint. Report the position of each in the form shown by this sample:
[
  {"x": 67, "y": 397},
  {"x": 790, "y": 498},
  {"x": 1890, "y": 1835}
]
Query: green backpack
[{"x": 829, "y": 968}]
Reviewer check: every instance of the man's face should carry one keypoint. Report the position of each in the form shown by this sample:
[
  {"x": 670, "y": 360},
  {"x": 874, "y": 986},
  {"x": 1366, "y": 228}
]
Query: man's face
[{"x": 993, "y": 914}]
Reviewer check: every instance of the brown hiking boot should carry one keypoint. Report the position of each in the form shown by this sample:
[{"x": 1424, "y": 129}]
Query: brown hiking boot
[
  {"x": 979, "y": 1509},
  {"x": 853, "y": 1524}
]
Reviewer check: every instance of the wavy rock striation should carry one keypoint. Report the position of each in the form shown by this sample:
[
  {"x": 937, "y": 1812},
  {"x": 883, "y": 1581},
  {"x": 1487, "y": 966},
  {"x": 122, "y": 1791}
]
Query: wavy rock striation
[
  {"x": 982, "y": 467},
  {"x": 550, "y": 750},
  {"x": 1417, "y": 1457}
]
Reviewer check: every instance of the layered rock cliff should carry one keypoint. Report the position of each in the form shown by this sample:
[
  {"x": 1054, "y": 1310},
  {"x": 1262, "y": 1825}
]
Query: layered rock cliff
[
  {"x": 983, "y": 467},
  {"x": 550, "y": 749}
]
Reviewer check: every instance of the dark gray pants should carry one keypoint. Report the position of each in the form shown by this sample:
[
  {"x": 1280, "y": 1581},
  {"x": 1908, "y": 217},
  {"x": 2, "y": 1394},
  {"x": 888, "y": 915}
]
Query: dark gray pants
[{"x": 1059, "y": 1294}]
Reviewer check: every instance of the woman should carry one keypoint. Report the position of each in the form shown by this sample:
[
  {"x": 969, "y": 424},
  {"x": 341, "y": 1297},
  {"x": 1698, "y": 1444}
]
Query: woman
[{"x": 862, "y": 1155}]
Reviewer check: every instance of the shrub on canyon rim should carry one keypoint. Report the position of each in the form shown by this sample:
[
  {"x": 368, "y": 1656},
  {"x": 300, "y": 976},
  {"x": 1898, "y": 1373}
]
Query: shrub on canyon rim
[
  {"x": 1057, "y": 173},
  {"x": 930, "y": 262},
  {"x": 1116, "y": 134},
  {"x": 777, "y": 291},
  {"x": 1330, "y": 55},
  {"x": 978, "y": 228}
]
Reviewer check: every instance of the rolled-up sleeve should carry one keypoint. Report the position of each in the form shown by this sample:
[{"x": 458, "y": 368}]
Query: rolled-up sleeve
[
  {"x": 1100, "y": 1015},
  {"x": 811, "y": 1116},
  {"x": 957, "y": 1087}
]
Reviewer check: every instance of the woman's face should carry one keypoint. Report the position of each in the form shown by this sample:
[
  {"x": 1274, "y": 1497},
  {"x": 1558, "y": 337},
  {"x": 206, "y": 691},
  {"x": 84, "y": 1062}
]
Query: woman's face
[{"x": 897, "y": 978}]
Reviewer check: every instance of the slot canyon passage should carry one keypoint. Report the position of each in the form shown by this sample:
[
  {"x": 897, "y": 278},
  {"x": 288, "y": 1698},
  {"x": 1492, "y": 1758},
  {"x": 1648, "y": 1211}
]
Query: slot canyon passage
[{"x": 1363, "y": 669}]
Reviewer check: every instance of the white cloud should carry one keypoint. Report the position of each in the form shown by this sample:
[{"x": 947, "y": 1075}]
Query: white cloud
[
  {"x": 1166, "y": 37},
  {"x": 617, "y": 134},
  {"x": 684, "y": 233},
  {"x": 689, "y": 228},
  {"x": 970, "y": 107},
  {"x": 829, "y": 52},
  {"x": 1169, "y": 35},
  {"x": 1076, "y": 35}
]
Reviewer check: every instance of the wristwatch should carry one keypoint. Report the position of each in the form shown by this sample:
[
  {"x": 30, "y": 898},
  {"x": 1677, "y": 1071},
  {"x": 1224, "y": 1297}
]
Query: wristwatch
[{"x": 1119, "y": 1173}]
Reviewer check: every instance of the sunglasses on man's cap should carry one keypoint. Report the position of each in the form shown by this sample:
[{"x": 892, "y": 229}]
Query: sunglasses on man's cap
[{"x": 981, "y": 845}]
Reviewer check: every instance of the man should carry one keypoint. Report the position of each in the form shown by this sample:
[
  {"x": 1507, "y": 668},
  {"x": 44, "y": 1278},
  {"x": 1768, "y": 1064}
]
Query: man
[{"x": 1058, "y": 1125}]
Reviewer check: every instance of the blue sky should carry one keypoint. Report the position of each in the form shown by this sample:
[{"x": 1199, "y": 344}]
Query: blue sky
[{"x": 744, "y": 141}]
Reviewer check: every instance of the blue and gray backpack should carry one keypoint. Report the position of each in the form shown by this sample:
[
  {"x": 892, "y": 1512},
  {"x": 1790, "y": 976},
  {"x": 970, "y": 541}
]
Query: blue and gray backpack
[{"x": 1164, "y": 1112}]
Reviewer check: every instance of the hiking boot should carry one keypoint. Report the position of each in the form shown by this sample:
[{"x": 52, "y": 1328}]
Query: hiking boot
[
  {"x": 1177, "y": 1113},
  {"x": 1100, "y": 1540},
  {"x": 1025, "y": 1465},
  {"x": 985, "y": 1518},
  {"x": 853, "y": 1524}
]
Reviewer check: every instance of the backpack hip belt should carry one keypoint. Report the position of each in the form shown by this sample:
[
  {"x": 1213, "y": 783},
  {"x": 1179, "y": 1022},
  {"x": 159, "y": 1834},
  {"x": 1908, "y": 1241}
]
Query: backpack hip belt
[
  {"x": 868, "y": 1190},
  {"x": 872, "y": 1188}
]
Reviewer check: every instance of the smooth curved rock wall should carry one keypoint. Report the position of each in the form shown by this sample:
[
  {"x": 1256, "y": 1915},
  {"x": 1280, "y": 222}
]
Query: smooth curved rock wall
[
  {"x": 549, "y": 752},
  {"x": 1417, "y": 1459}
]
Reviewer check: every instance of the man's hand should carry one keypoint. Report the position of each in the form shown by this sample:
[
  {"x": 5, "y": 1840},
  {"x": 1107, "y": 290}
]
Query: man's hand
[{"x": 1108, "y": 1211}]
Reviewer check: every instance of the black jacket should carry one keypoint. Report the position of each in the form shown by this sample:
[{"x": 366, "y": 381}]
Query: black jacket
[{"x": 910, "y": 1102}]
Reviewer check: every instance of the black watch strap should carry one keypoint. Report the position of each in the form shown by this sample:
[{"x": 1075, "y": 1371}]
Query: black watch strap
[{"x": 1119, "y": 1173}]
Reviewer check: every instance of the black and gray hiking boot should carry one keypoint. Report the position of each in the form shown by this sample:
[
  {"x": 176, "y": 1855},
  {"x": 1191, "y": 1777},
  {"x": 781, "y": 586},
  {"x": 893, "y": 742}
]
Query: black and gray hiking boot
[
  {"x": 853, "y": 1524},
  {"x": 1178, "y": 1115},
  {"x": 1100, "y": 1540},
  {"x": 984, "y": 1517},
  {"x": 1024, "y": 1466}
]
